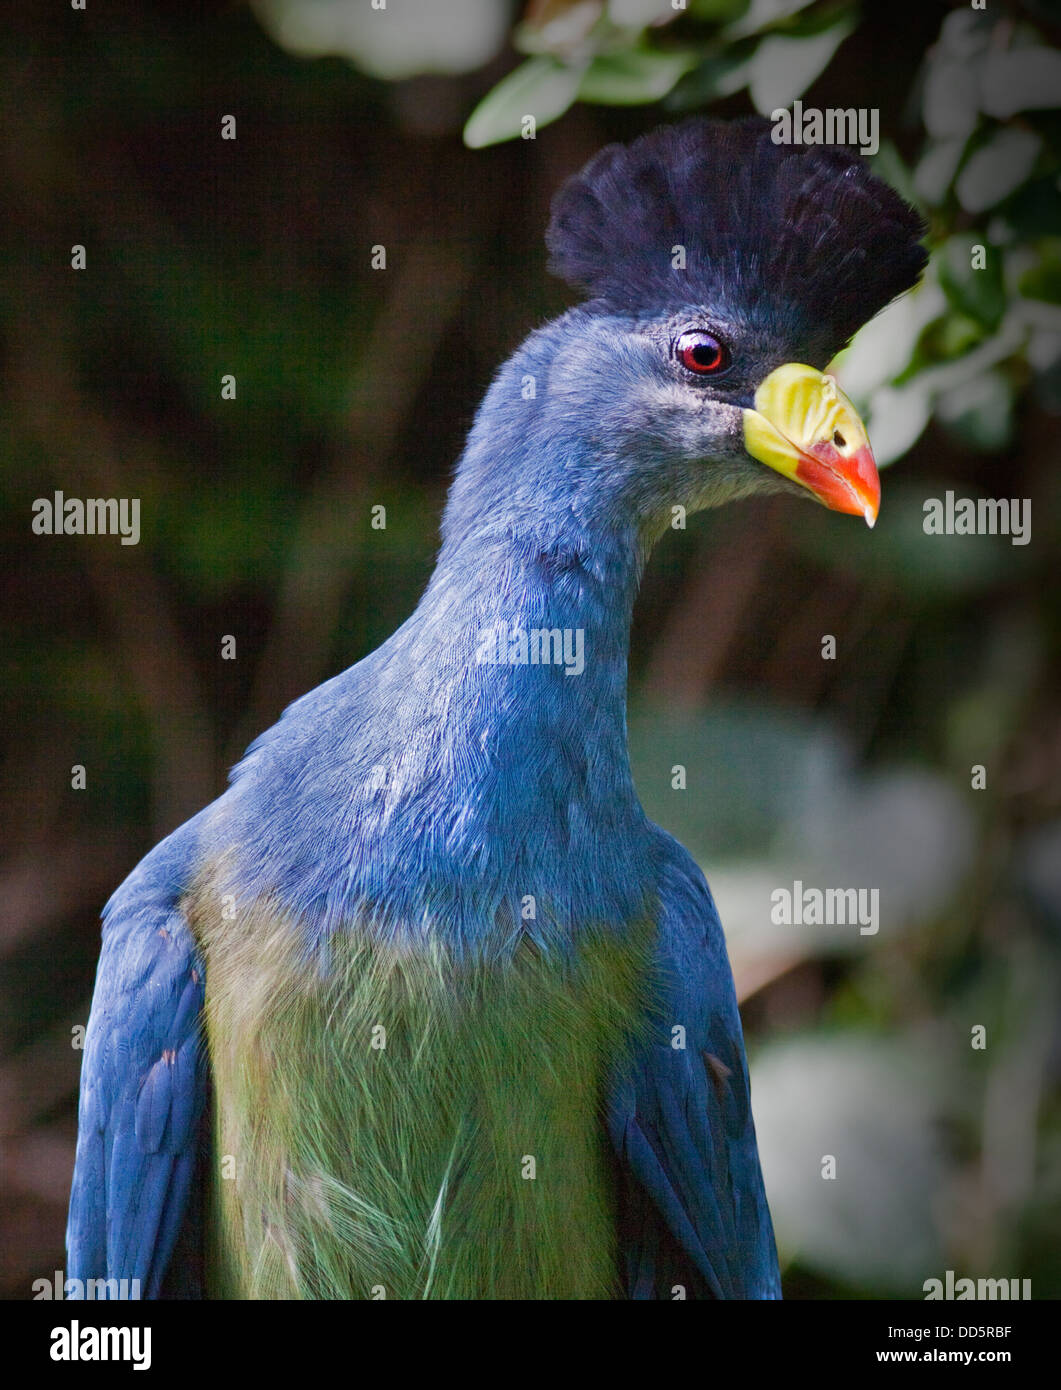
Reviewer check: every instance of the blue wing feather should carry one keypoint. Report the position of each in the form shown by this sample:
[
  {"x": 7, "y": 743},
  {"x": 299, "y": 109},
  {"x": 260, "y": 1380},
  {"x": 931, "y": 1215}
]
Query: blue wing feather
[
  {"x": 143, "y": 1080},
  {"x": 692, "y": 1206}
]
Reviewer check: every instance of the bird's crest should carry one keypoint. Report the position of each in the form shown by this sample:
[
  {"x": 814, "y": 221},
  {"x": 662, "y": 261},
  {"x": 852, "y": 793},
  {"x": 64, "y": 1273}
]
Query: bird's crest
[{"x": 809, "y": 227}]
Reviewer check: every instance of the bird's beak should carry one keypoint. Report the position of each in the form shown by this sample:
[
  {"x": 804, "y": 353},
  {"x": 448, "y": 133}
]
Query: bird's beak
[{"x": 805, "y": 427}]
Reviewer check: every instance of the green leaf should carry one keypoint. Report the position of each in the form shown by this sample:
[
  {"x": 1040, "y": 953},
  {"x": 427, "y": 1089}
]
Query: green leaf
[
  {"x": 633, "y": 78},
  {"x": 939, "y": 376},
  {"x": 783, "y": 68},
  {"x": 952, "y": 337},
  {"x": 978, "y": 293},
  {"x": 718, "y": 75},
  {"x": 1043, "y": 281},
  {"x": 717, "y": 11},
  {"x": 1032, "y": 211},
  {"x": 541, "y": 87},
  {"x": 762, "y": 14}
]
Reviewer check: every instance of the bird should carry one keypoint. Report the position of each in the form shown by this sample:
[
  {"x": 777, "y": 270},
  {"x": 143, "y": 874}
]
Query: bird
[{"x": 423, "y": 1005}]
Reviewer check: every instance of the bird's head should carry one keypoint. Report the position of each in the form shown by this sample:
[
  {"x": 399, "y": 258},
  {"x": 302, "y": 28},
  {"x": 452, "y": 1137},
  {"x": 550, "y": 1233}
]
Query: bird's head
[{"x": 722, "y": 272}]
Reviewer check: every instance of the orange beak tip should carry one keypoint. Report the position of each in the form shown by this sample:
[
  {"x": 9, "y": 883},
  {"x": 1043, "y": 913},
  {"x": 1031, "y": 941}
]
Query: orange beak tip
[{"x": 848, "y": 484}]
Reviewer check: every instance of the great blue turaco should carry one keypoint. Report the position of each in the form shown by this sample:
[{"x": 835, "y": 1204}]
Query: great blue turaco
[{"x": 423, "y": 1005}]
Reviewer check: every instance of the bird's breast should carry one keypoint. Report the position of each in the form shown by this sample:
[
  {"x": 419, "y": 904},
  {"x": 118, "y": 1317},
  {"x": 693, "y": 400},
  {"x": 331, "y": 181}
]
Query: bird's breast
[{"x": 399, "y": 1120}]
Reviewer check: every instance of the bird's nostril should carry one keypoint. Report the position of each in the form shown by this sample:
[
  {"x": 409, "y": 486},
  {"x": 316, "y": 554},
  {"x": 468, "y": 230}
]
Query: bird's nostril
[{"x": 838, "y": 439}]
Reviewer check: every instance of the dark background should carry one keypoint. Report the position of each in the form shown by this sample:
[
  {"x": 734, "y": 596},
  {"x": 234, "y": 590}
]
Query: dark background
[{"x": 355, "y": 387}]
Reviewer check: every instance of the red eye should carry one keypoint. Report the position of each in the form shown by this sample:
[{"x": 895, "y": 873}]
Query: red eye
[{"x": 701, "y": 353}]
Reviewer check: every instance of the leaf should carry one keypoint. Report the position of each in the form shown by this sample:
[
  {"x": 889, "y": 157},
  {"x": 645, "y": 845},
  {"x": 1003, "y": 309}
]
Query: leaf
[
  {"x": 1011, "y": 337},
  {"x": 904, "y": 828},
  {"x": 718, "y": 75},
  {"x": 457, "y": 37},
  {"x": 762, "y": 14},
  {"x": 883, "y": 348},
  {"x": 937, "y": 167},
  {"x": 541, "y": 87},
  {"x": 1043, "y": 280},
  {"x": 965, "y": 34},
  {"x": 952, "y": 338},
  {"x": 1032, "y": 211},
  {"x": 1021, "y": 79},
  {"x": 559, "y": 27},
  {"x": 717, "y": 11},
  {"x": 950, "y": 107},
  {"x": 896, "y": 419},
  {"x": 633, "y": 78},
  {"x": 783, "y": 68},
  {"x": 997, "y": 169},
  {"x": 638, "y": 14},
  {"x": 978, "y": 293}
]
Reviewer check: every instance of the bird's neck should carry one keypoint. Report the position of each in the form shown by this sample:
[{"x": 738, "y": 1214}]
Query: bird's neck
[
  {"x": 526, "y": 640},
  {"x": 509, "y": 735},
  {"x": 496, "y": 760},
  {"x": 524, "y": 627}
]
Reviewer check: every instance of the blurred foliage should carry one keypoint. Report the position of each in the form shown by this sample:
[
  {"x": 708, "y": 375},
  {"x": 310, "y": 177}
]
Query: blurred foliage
[{"x": 355, "y": 387}]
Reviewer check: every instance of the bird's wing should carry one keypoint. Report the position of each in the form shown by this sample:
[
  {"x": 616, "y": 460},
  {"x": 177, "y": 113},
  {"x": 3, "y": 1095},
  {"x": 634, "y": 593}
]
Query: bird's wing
[
  {"x": 143, "y": 1082},
  {"x": 692, "y": 1209}
]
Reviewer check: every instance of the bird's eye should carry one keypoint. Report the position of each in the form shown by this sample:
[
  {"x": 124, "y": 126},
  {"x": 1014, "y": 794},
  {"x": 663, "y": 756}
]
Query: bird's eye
[{"x": 701, "y": 353}]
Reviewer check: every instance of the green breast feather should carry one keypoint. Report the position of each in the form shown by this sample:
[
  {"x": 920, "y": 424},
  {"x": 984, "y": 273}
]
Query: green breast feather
[{"x": 411, "y": 1125}]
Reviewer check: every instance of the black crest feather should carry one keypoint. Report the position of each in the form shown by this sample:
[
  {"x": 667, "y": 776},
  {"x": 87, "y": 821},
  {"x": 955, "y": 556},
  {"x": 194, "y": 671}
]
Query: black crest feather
[{"x": 806, "y": 236}]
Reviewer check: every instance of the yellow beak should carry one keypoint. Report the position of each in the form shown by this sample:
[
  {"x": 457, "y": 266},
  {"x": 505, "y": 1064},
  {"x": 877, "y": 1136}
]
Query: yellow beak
[{"x": 805, "y": 427}]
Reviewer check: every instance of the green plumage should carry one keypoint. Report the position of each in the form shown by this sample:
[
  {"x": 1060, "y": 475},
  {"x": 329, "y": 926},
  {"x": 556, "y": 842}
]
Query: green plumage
[{"x": 403, "y": 1171}]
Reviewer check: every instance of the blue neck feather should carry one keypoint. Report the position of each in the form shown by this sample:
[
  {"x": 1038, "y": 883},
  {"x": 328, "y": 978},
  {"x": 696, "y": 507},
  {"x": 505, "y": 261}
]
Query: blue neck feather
[{"x": 456, "y": 784}]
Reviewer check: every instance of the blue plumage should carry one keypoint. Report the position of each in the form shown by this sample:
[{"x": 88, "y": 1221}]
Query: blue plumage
[
  {"x": 143, "y": 1079},
  {"x": 692, "y": 1199},
  {"x": 434, "y": 789}
]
